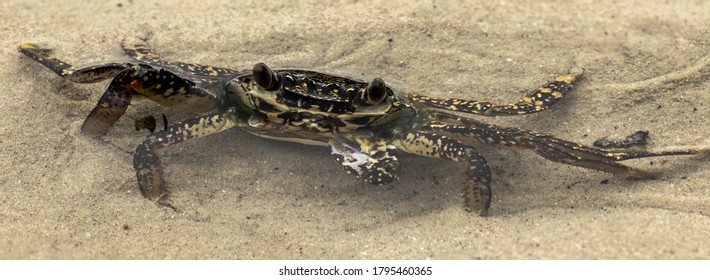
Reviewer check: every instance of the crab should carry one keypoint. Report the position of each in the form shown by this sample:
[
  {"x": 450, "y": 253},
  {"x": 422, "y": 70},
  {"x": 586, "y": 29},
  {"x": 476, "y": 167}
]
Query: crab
[{"x": 365, "y": 124}]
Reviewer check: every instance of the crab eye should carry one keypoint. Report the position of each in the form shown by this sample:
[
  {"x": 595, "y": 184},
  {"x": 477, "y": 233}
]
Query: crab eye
[
  {"x": 265, "y": 77},
  {"x": 374, "y": 93}
]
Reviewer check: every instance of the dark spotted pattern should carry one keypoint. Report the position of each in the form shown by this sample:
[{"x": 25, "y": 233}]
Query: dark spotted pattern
[
  {"x": 146, "y": 162},
  {"x": 319, "y": 122},
  {"x": 85, "y": 75},
  {"x": 537, "y": 101},
  {"x": 325, "y": 93},
  {"x": 365, "y": 126},
  {"x": 367, "y": 157},
  {"x": 196, "y": 73},
  {"x": 322, "y": 87},
  {"x": 111, "y": 106},
  {"x": 477, "y": 174},
  {"x": 290, "y": 99}
]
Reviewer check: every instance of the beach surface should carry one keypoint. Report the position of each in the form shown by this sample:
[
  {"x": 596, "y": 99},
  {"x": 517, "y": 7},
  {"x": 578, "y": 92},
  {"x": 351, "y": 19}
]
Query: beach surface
[{"x": 237, "y": 196}]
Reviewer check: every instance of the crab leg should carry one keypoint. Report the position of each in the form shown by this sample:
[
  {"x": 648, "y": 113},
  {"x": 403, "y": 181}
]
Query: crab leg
[
  {"x": 112, "y": 104},
  {"x": 477, "y": 176},
  {"x": 146, "y": 162},
  {"x": 91, "y": 74},
  {"x": 536, "y": 101},
  {"x": 553, "y": 148},
  {"x": 159, "y": 85},
  {"x": 195, "y": 72}
]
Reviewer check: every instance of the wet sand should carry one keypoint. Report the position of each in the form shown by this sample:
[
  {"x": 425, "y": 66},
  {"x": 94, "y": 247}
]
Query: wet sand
[{"x": 236, "y": 196}]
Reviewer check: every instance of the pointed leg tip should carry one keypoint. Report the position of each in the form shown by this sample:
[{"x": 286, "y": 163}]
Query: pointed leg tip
[
  {"x": 159, "y": 198},
  {"x": 480, "y": 211},
  {"x": 32, "y": 49},
  {"x": 570, "y": 78},
  {"x": 155, "y": 194},
  {"x": 24, "y": 46},
  {"x": 636, "y": 174},
  {"x": 478, "y": 206}
]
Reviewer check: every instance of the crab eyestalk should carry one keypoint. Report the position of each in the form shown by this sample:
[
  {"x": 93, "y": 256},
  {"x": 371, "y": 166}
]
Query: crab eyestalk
[
  {"x": 374, "y": 93},
  {"x": 265, "y": 77}
]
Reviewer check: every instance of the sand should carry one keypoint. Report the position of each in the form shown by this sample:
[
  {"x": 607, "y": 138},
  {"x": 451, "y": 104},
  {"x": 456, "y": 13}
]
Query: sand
[{"x": 236, "y": 196}]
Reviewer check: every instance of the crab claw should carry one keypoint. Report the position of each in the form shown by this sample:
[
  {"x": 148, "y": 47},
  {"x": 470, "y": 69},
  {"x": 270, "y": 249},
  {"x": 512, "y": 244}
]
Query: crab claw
[
  {"x": 374, "y": 93},
  {"x": 265, "y": 77},
  {"x": 373, "y": 160}
]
